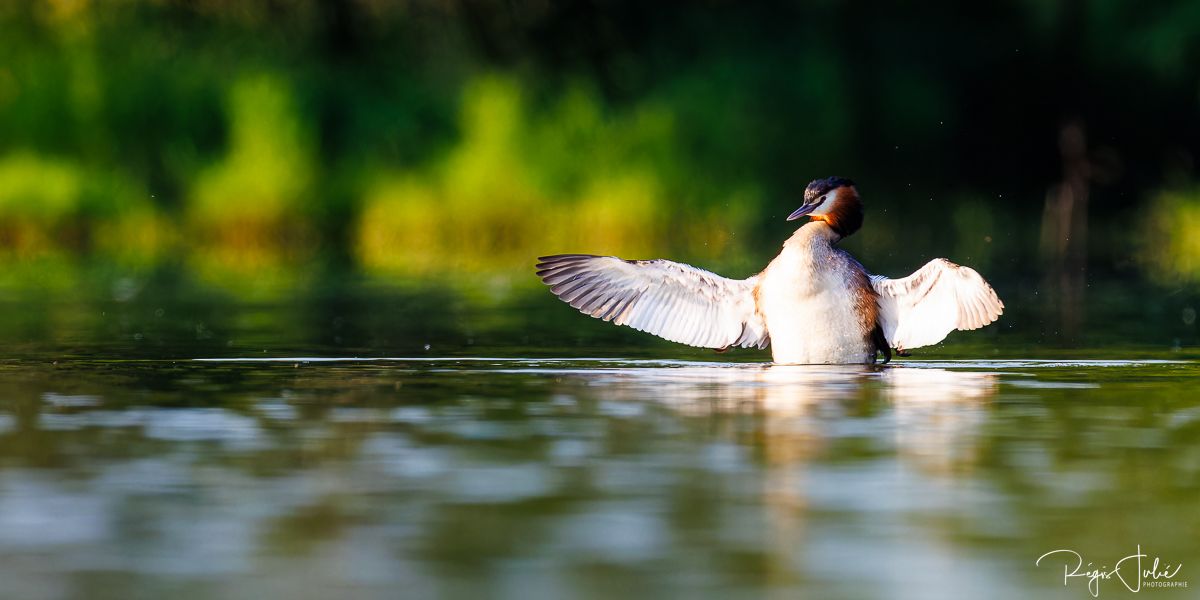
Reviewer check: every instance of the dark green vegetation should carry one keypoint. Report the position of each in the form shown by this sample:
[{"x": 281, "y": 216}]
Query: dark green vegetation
[{"x": 229, "y": 146}]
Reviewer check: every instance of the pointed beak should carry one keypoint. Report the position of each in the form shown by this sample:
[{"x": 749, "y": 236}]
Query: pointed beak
[{"x": 800, "y": 212}]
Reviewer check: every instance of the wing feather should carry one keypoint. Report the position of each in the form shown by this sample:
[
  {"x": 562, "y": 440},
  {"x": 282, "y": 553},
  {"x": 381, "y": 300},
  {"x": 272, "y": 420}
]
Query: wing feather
[
  {"x": 672, "y": 300},
  {"x": 921, "y": 309}
]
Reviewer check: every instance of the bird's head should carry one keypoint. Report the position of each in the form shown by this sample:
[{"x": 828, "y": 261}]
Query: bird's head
[{"x": 835, "y": 201}]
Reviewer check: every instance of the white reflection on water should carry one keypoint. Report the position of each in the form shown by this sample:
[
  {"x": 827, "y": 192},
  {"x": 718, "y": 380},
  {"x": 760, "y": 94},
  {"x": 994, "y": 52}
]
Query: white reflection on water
[
  {"x": 35, "y": 512},
  {"x": 176, "y": 425},
  {"x": 777, "y": 389},
  {"x": 937, "y": 415}
]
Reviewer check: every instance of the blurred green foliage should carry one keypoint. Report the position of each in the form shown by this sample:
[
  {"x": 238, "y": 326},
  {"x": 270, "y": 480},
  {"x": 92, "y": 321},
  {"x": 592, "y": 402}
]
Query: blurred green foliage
[
  {"x": 49, "y": 205},
  {"x": 1171, "y": 236},
  {"x": 263, "y": 180},
  {"x": 567, "y": 177},
  {"x": 249, "y": 139}
]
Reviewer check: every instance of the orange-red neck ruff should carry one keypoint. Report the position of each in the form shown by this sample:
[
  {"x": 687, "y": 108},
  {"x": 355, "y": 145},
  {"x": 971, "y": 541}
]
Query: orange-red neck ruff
[{"x": 846, "y": 215}]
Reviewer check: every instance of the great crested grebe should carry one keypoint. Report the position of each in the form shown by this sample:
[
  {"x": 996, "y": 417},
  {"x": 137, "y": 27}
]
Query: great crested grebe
[{"x": 814, "y": 304}]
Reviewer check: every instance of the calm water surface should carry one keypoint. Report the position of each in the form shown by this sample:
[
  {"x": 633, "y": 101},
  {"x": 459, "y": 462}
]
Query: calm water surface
[
  {"x": 553, "y": 478},
  {"x": 131, "y": 469}
]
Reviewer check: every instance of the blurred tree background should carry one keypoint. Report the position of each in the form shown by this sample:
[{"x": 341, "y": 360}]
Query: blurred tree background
[{"x": 268, "y": 151}]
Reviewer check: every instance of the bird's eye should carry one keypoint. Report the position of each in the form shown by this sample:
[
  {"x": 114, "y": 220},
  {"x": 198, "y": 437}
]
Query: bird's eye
[{"x": 821, "y": 199}]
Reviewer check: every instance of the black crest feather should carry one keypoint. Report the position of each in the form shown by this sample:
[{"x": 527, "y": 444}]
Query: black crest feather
[{"x": 822, "y": 186}]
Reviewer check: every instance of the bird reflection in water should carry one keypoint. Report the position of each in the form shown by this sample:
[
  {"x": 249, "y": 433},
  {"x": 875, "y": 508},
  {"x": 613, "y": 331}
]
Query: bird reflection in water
[
  {"x": 929, "y": 414},
  {"x": 913, "y": 433}
]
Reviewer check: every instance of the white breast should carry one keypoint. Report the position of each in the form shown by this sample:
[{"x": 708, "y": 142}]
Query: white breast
[{"x": 807, "y": 298}]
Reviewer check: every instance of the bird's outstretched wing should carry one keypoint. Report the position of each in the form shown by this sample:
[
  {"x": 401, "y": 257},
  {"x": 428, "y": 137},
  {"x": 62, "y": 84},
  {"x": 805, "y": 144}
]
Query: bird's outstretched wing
[
  {"x": 924, "y": 307},
  {"x": 671, "y": 300}
]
